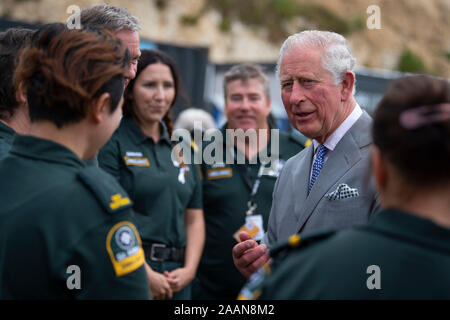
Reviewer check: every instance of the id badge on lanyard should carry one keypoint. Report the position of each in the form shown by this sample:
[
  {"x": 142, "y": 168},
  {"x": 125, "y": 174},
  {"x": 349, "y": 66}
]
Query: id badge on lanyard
[{"x": 253, "y": 221}]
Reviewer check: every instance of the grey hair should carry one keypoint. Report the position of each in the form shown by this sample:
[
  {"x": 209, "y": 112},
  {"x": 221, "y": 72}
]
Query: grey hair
[
  {"x": 105, "y": 16},
  {"x": 187, "y": 118},
  {"x": 244, "y": 72},
  {"x": 336, "y": 58}
]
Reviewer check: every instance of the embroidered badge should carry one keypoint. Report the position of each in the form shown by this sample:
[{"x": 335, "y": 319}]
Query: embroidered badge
[
  {"x": 123, "y": 245},
  {"x": 117, "y": 201},
  {"x": 133, "y": 154},
  {"x": 136, "y": 161},
  {"x": 219, "y": 173}
]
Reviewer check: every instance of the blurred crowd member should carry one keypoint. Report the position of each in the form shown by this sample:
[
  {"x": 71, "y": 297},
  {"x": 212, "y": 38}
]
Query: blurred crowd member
[
  {"x": 124, "y": 25},
  {"x": 13, "y": 106},
  {"x": 327, "y": 186},
  {"x": 67, "y": 229},
  {"x": 187, "y": 118},
  {"x": 119, "y": 21},
  {"x": 404, "y": 251},
  {"x": 233, "y": 193},
  {"x": 166, "y": 193}
]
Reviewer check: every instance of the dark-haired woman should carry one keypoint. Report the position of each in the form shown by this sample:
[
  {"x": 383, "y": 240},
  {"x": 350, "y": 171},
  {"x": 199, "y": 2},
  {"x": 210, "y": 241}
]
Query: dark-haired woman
[
  {"x": 404, "y": 251},
  {"x": 66, "y": 229},
  {"x": 166, "y": 192}
]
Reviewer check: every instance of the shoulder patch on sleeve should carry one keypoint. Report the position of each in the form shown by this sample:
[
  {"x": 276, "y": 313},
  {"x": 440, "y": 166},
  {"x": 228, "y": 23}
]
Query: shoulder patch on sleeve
[
  {"x": 123, "y": 244},
  {"x": 105, "y": 188}
]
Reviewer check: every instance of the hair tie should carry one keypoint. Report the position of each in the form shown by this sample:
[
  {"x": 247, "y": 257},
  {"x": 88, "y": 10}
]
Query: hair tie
[{"x": 420, "y": 116}]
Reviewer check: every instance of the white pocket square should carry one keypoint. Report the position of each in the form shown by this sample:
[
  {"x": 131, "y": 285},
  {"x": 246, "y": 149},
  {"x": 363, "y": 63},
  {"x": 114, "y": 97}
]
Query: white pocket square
[{"x": 343, "y": 191}]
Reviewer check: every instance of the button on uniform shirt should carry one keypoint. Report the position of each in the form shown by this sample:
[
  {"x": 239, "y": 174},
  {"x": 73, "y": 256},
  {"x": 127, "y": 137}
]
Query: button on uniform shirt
[
  {"x": 161, "y": 189},
  {"x": 396, "y": 256},
  {"x": 66, "y": 230},
  {"x": 225, "y": 194},
  {"x": 6, "y": 138}
]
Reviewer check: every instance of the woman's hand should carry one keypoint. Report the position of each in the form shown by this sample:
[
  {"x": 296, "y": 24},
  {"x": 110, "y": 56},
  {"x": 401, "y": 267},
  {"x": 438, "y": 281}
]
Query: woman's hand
[
  {"x": 179, "y": 278},
  {"x": 159, "y": 284}
]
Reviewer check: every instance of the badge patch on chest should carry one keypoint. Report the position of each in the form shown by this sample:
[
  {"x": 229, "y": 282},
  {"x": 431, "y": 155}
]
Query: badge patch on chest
[
  {"x": 124, "y": 248},
  {"x": 219, "y": 173},
  {"x": 134, "y": 154},
  {"x": 136, "y": 161}
]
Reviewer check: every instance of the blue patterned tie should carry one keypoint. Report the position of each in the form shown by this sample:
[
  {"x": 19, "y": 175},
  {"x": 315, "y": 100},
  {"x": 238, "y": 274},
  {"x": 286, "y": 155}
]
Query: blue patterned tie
[{"x": 317, "y": 165}]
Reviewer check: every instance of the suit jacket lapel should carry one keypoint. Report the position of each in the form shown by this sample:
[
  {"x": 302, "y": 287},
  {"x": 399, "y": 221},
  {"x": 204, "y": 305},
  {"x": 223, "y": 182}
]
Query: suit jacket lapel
[
  {"x": 340, "y": 160},
  {"x": 301, "y": 182}
]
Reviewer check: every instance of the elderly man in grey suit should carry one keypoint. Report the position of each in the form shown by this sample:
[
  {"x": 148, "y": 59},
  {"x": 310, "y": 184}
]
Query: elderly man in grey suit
[{"x": 327, "y": 186}]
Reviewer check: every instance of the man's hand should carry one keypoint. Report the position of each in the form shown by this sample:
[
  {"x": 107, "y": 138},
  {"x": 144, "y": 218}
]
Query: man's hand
[{"x": 248, "y": 256}]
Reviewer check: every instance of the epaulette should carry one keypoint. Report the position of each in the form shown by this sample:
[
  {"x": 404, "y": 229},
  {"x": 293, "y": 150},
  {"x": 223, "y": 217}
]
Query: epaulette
[
  {"x": 304, "y": 141},
  {"x": 253, "y": 288},
  {"x": 190, "y": 144},
  {"x": 105, "y": 188},
  {"x": 296, "y": 241}
]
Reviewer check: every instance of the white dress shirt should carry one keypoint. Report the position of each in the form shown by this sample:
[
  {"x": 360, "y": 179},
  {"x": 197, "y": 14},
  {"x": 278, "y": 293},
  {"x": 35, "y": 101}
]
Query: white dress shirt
[{"x": 337, "y": 135}]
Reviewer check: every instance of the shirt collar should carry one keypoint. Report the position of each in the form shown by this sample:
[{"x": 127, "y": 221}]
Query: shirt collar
[
  {"x": 268, "y": 146},
  {"x": 6, "y": 131},
  {"x": 138, "y": 136},
  {"x": 411, "y": 228},
  {"x": 337, "y": 135},
  {"x": 43, "y": 149}
]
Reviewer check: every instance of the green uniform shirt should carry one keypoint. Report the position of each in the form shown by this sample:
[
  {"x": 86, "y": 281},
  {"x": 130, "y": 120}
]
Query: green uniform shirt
[
  {"x": 6, "y": 138},
  {"x": 67, "y": 229},
  {"x": 396, "y": 256},
  {"x": 225, "y": 194},
  {"x": 160, "y": 189}
]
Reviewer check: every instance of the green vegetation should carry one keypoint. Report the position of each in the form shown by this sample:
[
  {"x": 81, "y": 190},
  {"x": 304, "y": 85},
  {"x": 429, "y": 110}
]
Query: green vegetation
[
  {"x": 409, "y": 62},
  {"x": 161, "y": 4},
  {"x": 447, "y": 55},
  {"x": 189, "y": 20},
  {"x": 358, "y": 23},
  {"x": 272, "y": 15}
]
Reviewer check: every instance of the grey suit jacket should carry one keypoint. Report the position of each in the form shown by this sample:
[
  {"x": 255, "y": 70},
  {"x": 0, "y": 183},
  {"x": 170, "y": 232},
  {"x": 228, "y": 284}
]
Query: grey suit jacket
[{"x": 294, "y": 211}]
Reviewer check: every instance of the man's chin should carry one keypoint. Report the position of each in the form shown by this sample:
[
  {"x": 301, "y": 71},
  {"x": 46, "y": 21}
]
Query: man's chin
[
  {"x": 247, "y": 125},
  {"x": 306, "y": 130}
]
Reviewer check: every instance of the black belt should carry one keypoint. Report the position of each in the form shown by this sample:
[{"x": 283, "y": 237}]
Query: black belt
[{"x": 161, "y": 252}]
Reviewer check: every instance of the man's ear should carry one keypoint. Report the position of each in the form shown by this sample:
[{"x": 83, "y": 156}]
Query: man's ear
[
  {"x": 347, "y": 85},
  {"x": 379, "y": 168},
  {"x": 21, "y": 95},
  {"x": 101, "y": 107}
]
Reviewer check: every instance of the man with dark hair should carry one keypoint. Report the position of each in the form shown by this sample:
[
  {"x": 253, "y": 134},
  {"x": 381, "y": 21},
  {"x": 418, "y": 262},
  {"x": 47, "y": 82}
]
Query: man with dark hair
[
  {"x": 119, "y": 21},
  {"x": 66, "y": 229},
  {"x": 236, "y": 193},
  {"x": 13, "y": 106}
]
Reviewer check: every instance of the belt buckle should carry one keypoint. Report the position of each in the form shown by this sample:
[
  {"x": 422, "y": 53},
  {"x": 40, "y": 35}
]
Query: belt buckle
[{"x": 152, "y": 251}]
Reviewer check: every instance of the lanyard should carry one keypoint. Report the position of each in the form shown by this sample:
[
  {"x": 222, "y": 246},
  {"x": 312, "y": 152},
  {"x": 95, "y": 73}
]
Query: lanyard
[{"x": 251, "y": 204}]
